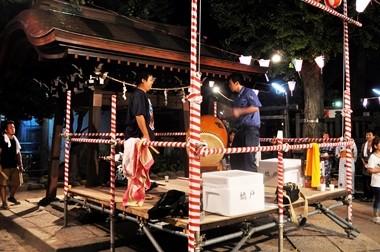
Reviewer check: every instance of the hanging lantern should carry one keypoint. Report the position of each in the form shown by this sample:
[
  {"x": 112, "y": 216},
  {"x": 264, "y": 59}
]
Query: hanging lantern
[
  {"x": 320, "y": 60},
  {"x": 365, "y": 102},
  {"x": 291, "y": 85},
  {"x": 361, "y": 5},
  {"x": 297, "y": 64},
  {"x": 333, "y": 3},
  {"x": 264, "y": 62},
  {"x": 246, "y": 60}
]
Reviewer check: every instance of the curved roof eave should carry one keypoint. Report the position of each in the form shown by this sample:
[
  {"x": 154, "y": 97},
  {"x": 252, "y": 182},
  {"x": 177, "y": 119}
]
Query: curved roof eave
[{"x": 55, "y": 35}]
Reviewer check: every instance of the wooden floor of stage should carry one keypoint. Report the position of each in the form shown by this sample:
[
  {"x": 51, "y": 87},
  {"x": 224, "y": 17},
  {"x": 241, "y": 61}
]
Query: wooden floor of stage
[{"x": 101, "y": 196}]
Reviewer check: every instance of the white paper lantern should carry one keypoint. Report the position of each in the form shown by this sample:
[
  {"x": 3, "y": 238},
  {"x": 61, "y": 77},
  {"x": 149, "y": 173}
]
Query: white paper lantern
[
  {"x": 246, "y": 60},
  {"x": 291, "y": 85},
  {"x": 320, "y": 60},
  {"x": 297, "y": 64},
  {"x": 361, "y": 5},
  {"x": 264, "y": 62}
]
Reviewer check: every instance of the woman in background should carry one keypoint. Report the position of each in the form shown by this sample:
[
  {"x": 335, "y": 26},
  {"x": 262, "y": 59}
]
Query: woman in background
[{"x": 374, "y": 169}]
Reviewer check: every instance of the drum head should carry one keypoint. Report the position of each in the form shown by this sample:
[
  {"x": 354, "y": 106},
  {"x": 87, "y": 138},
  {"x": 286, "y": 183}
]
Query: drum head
[{"x": 214, "y": 133}]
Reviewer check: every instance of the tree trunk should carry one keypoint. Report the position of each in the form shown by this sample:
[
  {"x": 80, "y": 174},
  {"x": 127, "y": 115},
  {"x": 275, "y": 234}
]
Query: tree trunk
[{"x": 313, "y": 98}]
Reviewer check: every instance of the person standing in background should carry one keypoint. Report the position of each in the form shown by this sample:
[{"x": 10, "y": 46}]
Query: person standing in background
[
  {"x": 374, "y": 169},
  {"x": 245, "y": 108},
  {"x": 10, "y": 164},
  {"x": 365, "y": 152},
  {"x": 327, "y": 156}
]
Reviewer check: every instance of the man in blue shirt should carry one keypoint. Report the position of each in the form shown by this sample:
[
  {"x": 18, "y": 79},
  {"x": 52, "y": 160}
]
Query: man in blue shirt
[{"x": 246, "y": 110}]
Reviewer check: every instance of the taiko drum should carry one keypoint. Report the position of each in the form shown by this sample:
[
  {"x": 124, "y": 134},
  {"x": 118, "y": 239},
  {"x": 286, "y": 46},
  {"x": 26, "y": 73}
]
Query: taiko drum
[{"x": 214, "y": 133}]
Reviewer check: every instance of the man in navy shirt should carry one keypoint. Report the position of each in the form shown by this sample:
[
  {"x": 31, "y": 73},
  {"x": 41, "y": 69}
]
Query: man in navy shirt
[
  {"x": 140, "y": 121},
  {"x": 246, "y": 110}
]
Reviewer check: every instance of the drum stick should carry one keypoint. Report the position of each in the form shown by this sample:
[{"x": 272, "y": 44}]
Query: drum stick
[
  {"x": 154, "y": 149},
  {"x": 4, "y": 175}
]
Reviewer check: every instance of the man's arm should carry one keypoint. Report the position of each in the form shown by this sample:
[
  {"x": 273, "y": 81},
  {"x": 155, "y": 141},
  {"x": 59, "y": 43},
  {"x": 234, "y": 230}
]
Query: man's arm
[
  {"x": 142, "y": 126},
  {"x": 19, "y": 161},
  {"x": 243, "y": 111}
]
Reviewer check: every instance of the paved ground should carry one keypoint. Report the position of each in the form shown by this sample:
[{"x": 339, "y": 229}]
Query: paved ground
[{"x": 30, "y": 228}]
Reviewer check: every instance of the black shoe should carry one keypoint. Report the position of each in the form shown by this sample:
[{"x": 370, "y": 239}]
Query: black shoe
[{"x": 13, "y": 200}]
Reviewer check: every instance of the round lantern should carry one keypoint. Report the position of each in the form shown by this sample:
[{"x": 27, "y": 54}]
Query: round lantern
[{"x": 333, "y": 3}]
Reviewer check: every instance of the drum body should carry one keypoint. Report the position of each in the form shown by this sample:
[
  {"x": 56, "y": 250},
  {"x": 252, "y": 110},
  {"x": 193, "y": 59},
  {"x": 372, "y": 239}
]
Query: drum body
[{"x": 214, "y": 134}]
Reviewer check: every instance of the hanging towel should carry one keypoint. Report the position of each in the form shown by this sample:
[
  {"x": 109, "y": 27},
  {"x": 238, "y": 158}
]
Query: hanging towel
[
  {"x": 313, "y": 166},
  {"x": 140, "y": 180},
  {"x": 8, "y": 141},
  {"x": 129, "y": 155}
]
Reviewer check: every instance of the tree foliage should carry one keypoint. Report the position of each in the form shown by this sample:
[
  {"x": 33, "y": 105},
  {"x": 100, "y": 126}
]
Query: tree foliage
[{"x": 296, "y": 30}]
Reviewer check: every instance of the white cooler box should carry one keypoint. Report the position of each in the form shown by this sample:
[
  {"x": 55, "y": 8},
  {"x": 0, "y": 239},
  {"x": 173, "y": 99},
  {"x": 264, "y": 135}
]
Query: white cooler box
[
  {"x": 292, "y": 170},
  {"x": 233, "y": 192}
]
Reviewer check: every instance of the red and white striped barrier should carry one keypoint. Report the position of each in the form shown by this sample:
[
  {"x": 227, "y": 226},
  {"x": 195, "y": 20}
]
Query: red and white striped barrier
[
  {"x": 112, "y": 152},
  {"x": 101, "y": 134},
  {"x": 301, "y": 140},
  {"x": 195, "y": 110},
  {"x": 333, "y": 12},
  {"x": 347, "y": 107},
  {"x": 279, "y": 147},
  {"x": 67, "y": 144},
  {"x": 170, "y": 134}
]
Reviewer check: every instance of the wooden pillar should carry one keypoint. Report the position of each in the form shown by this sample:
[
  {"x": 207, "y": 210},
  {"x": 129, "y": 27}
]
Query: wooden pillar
[
  {"x": 44, "y": 147},
  {"x": 51, "y": 190},
  {"x": 92, "y": 165}
]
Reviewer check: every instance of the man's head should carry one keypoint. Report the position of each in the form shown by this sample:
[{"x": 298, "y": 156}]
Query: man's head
[
  {"x": 145, "y": 81},
  {"x": 369, "y": 134},
  {"x": 326, "y": 135},
  {"x": 235, "y": 81},
  {"x": 9, "y": 128}
]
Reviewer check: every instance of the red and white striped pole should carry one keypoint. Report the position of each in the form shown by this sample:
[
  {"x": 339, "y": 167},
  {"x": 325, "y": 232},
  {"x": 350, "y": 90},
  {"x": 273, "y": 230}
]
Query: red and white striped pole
[
  {"x": 280, "y": 192},
  {"x": 215, "y": 108},
  {"x": 347, "y": 108},
  {"x": 112, "y": 171},
  {"x": 194, "y": 127},
  {"x": 67, "y": 144}
]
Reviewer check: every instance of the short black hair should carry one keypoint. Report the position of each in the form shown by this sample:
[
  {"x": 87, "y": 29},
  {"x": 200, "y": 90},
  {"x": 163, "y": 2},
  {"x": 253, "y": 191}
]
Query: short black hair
[
  {"x": 6, "y": 123},
  {"x": 142, "y": 76},
  {"x": 236, "y": 77},
  {"x": 370, "y": 130}
]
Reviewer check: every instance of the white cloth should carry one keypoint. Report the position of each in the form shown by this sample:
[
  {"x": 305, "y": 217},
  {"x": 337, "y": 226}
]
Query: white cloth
[
  {"x": 129, "y": 156},
  {"x": 365, "y": 151},
  {"x": 374, "y": 163},
  {"x": 8, "y": 141}
]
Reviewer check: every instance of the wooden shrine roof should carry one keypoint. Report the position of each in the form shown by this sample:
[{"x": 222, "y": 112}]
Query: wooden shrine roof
[{"x": 57, "y": 30}]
